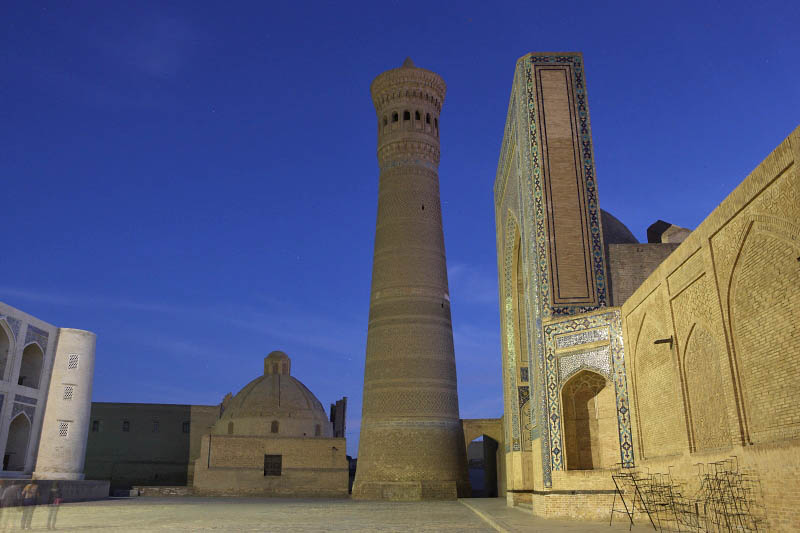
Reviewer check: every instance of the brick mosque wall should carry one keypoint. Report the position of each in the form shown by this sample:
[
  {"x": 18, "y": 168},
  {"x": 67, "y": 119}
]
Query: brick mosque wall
[
  {"x": 145, "y": 454},
  {"x": 231, "y": 465},
  {"x": 630, "y": 264},
  {"x": 726, "y": 305}
]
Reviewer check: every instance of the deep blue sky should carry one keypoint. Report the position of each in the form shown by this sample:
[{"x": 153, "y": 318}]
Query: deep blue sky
[{"x": 196, "y": 182}]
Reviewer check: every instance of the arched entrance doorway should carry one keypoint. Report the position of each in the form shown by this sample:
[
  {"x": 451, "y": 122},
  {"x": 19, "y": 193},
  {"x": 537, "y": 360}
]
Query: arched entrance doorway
[
  {"x": 589, "y": 414},
  {"x": 482, "y": 464},
  {"x": 17, "y": 444}
]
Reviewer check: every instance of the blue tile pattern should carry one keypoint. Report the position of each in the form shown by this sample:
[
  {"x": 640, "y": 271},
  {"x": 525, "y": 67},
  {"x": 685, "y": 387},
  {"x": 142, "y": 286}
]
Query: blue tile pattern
[
  {"x": 25, "y": 399},
  {"x": 39, "y": 336},
  {"x": 29, "y": 410},
  {"x": 13, "y": 325}
]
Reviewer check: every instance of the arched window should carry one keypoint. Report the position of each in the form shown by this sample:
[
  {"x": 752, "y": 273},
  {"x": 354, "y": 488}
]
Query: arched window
[
  {"x": 394, "y": 117},
  {"x": 427, "y": 118},
  {"x": 385, "y": 120},
  {"x": 416, "y": 115},
  {"x": 230, "y": 428},
  {"x": 31, "y": 367},
  {"x": 274, "y": 427},
  {"x": 406, "y": 115},
  {"x": 436, "y": 124}
]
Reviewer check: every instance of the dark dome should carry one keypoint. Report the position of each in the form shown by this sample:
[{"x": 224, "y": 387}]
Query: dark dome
[{"x": 614, "y": 231}]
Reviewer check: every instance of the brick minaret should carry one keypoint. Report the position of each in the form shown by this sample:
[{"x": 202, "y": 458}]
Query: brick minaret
[{"x": 411, "y": 445}]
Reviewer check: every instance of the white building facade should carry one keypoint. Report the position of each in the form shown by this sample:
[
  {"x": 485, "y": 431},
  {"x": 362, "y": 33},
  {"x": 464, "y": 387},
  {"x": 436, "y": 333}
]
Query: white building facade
[{"x": 45, "y": 396}]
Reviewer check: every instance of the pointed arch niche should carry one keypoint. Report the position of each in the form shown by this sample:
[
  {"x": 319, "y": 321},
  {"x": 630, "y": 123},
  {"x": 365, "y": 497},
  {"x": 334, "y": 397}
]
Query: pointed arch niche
[
  {"x": 522, "y": 373},
  {"x": 19, "y": 431},
  {"x": 766, "y": 336},
  {"x": 6, "y": 347},
  {"x": 30, "y": 369},
  {"x": 591, "y": 440}
]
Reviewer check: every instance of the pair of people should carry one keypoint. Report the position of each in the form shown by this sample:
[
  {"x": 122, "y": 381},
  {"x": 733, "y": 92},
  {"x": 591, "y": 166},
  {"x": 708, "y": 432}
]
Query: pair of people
[{"x": 12, "y": 496}]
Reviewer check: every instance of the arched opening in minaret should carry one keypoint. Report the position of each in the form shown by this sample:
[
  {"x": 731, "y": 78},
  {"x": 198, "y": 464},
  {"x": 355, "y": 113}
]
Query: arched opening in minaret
[
  {"x": 17, "y": 443},
  {"x": 385, "y": 120},
  {"x": 406, "y": 115},
  {"x": 427, "y": 118},
  {"x": 482, "y": 464},
  {"x": 416, "y": 115},
  {"x": 395, "y": 117},
  {"x": 31, "y": 367},
  {"x": 589, "y": 419},
  {"x": 5, "y": 348}
]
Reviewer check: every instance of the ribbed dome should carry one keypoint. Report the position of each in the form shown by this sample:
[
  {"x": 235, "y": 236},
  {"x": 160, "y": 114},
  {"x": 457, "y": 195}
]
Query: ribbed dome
[{"x": 274, "y": 397}]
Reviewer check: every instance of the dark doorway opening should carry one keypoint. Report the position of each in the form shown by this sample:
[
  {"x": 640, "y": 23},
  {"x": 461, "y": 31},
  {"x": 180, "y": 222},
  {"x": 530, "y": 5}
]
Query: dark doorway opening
[
  {"x": 273, "y": 465},
  {"x": 482, "y": 464}
]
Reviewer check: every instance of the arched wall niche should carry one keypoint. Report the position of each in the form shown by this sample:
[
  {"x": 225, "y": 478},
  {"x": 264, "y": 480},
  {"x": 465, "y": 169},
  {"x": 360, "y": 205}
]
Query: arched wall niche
[
  {"x": 521, "y": 344},
  {"x": 766, "y": 337},
  {"x": 30, "y": 370},
  {"x": 708, "y": 418},
  {"x": 19, "y": 431},
  {"x": 588, "y": 405},
  {"x": 510, "y": 333},
  {"x": 6, "y": 347},
  {"x": 659, "y": 406}
]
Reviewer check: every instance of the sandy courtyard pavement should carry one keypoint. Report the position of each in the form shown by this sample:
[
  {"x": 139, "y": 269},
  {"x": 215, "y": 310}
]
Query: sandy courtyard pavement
[{"x": 290, "y": 515}]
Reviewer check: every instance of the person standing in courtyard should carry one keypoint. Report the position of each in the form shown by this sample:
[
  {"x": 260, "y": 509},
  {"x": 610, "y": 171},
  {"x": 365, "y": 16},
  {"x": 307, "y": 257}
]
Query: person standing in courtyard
[
  {"x": 10, "y": 499},
  {"x": 55, "y": 502},
  {"x": 29, "y": 496}
]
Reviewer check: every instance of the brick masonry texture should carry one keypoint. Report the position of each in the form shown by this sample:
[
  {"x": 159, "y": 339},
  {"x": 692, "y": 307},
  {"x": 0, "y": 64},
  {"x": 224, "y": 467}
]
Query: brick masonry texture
[
  {"x": 630, "y": 264},
  {"x": 729, "y": 299},
  {"x": 411, "y": 445}
]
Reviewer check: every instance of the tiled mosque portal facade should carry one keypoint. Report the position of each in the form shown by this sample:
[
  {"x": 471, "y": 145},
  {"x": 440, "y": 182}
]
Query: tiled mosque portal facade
[{"x": 618, "y": 354}]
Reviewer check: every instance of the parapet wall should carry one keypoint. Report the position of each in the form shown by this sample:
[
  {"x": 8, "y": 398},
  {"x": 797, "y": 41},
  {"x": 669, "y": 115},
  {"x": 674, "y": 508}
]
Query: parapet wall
[{"x": 712, "y": 341}]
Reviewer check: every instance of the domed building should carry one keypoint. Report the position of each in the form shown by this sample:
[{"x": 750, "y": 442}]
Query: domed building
[
  {"x": 273, "y": 438},
  {"x": 274, "y": 405}
]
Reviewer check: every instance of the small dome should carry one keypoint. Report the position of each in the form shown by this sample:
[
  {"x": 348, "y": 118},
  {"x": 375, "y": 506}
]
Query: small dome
[
  {"x": 408, "y": 63},
  {"x": 275, "y": 404},
  {"x": 614, "y": 231}
]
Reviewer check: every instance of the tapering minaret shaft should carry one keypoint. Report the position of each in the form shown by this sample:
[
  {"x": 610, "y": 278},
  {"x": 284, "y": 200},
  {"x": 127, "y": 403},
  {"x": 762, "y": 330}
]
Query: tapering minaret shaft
[{"x": 411, "y": 443}]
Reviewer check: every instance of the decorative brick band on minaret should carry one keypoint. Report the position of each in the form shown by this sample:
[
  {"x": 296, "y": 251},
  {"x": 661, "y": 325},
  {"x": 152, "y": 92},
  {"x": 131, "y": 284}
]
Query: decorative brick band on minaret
[{"x": 411, "y": 445}]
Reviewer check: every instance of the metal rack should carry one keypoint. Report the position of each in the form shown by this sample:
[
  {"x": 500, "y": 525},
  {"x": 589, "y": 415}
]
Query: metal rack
[{"x": 728, "y": 500}]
